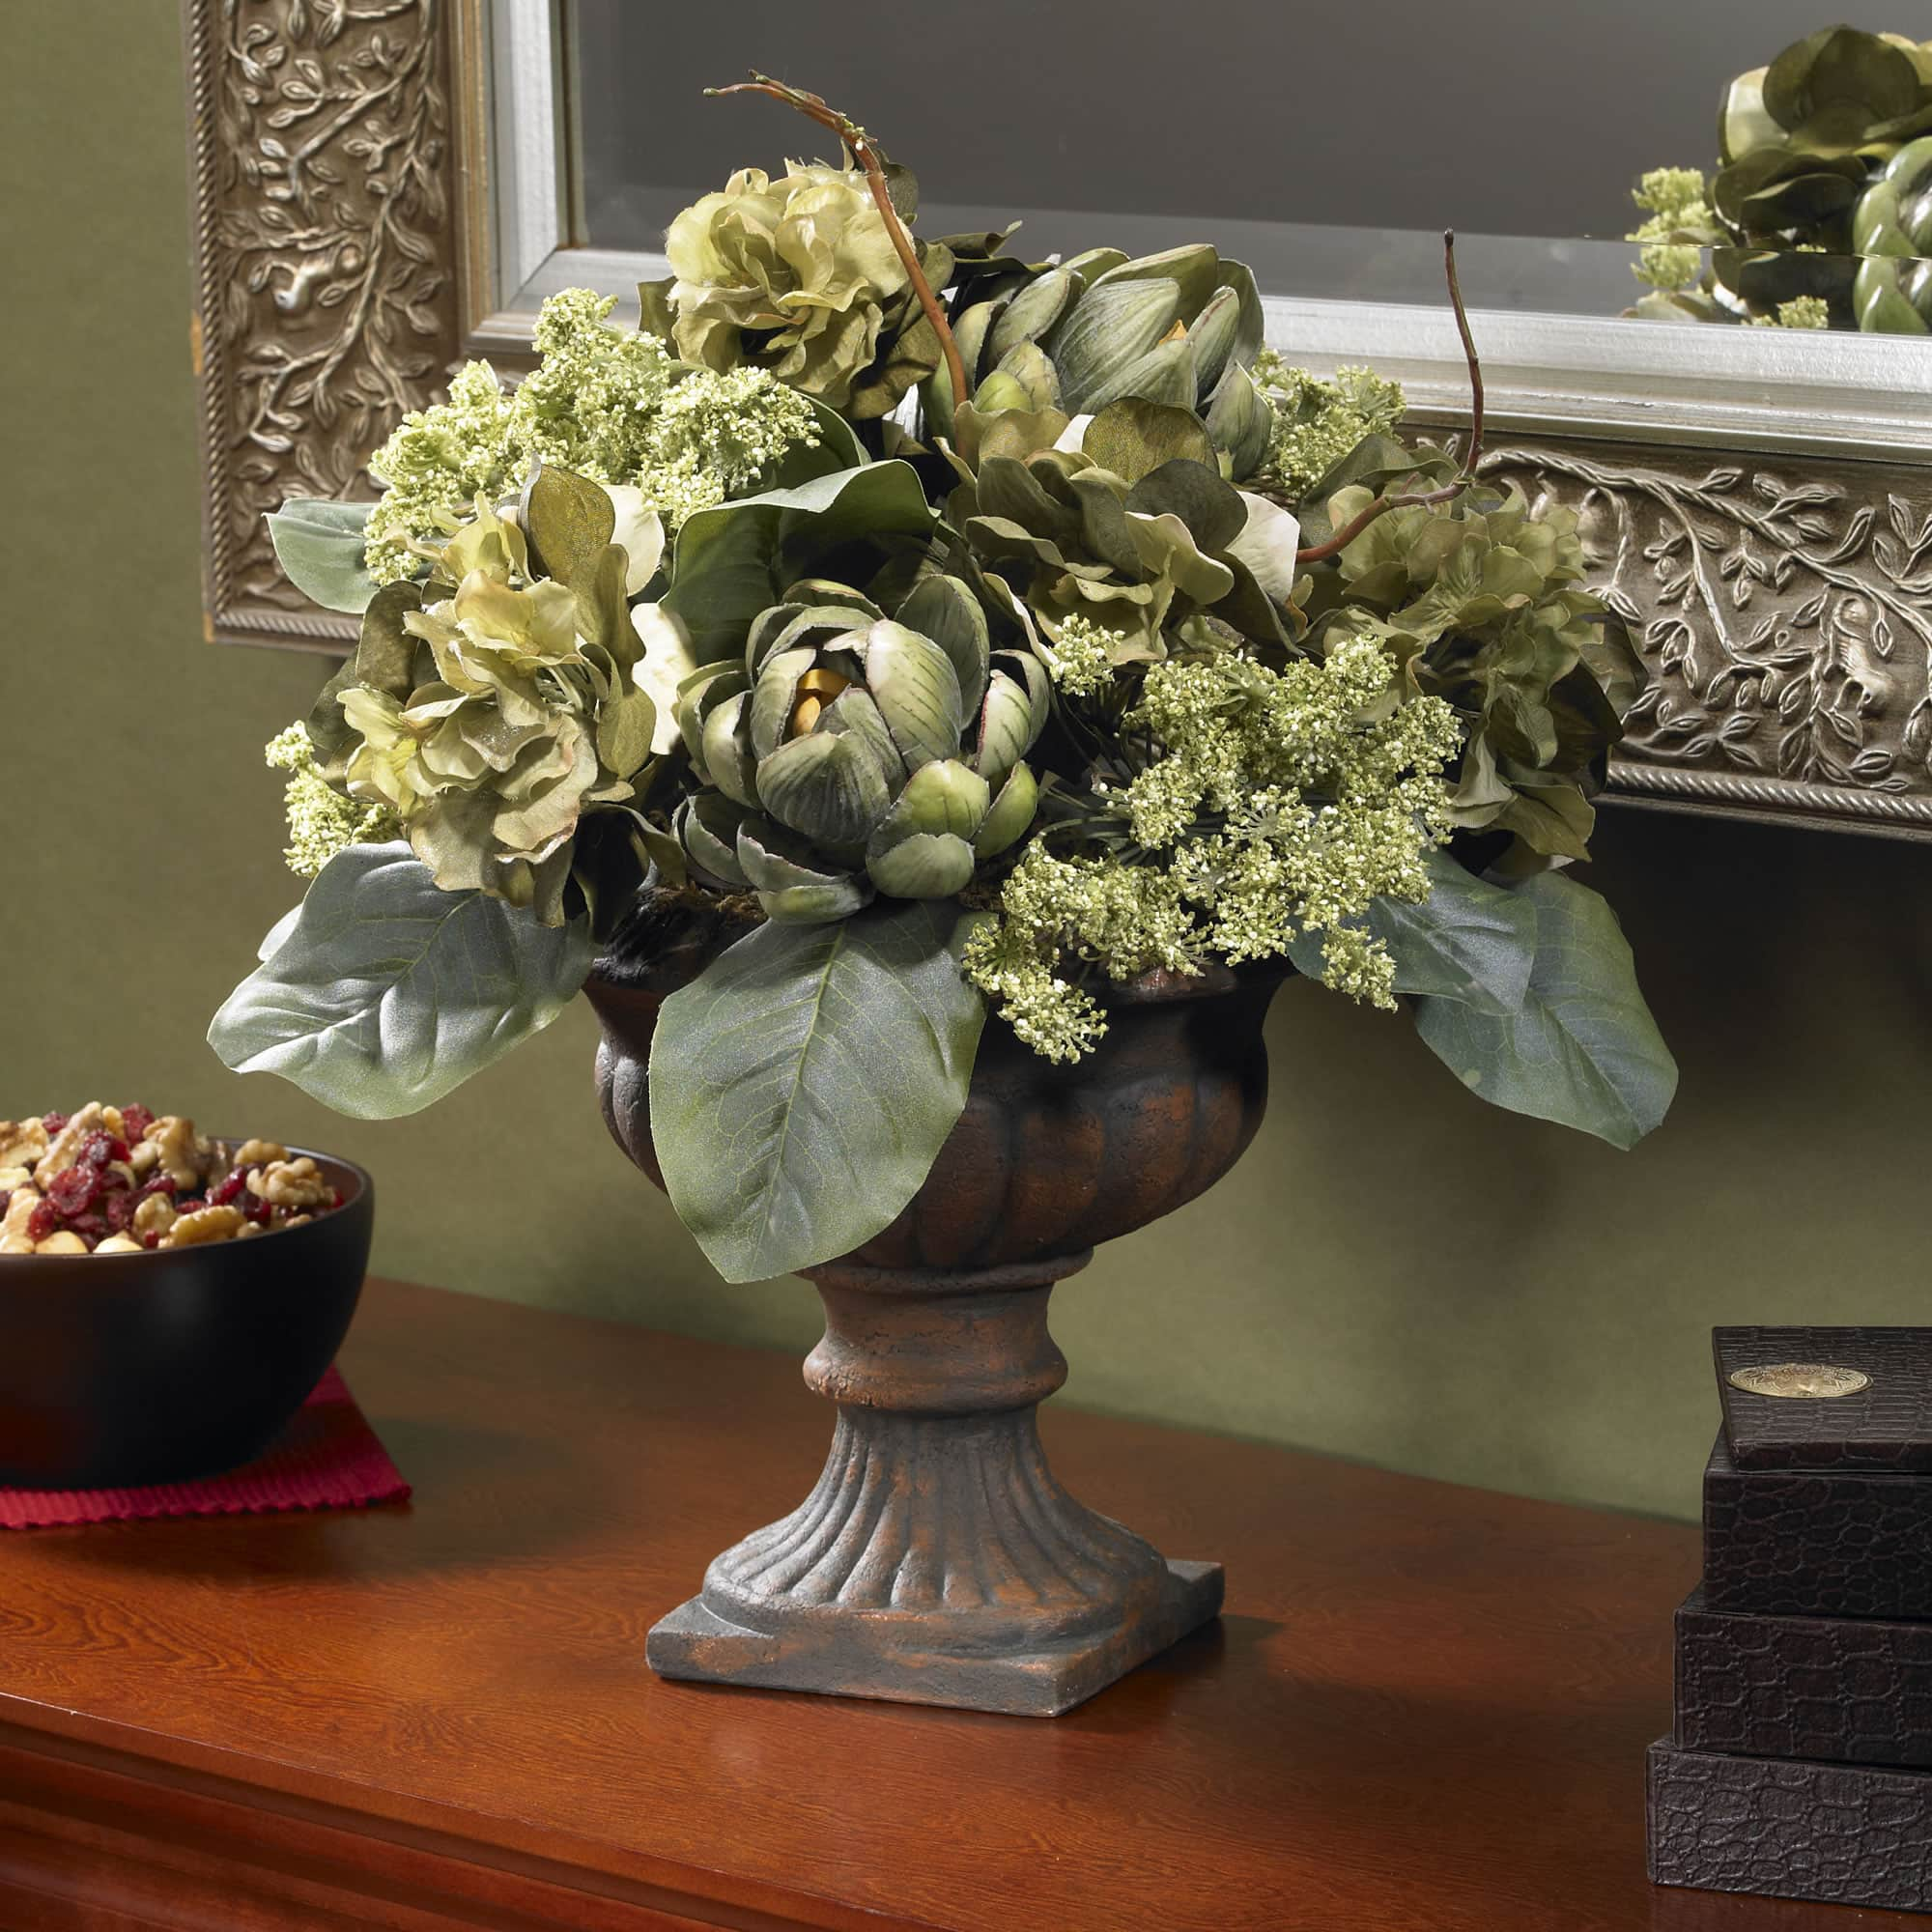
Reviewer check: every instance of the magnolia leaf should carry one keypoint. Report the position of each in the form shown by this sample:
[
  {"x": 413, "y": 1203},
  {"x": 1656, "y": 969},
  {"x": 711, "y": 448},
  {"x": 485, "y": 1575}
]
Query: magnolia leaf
[
  {"x": 319, "y": 544},
  {"x": 732, "y": 561},
  {"x": 568, "y": 519},
  {"x": 1469, "y": 941},
  {"x": 1582, "y": 1049},
  {"x": 626, "y": 727},
  {"x": 385, "y": 992},
  {"x": 1135, "y": 437},
  {"x": 803, "y": 1084}
]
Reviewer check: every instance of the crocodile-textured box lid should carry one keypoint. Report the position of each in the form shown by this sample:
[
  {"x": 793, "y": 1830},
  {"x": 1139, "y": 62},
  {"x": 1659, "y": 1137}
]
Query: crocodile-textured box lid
[{"x": 1883, "y": 1425}]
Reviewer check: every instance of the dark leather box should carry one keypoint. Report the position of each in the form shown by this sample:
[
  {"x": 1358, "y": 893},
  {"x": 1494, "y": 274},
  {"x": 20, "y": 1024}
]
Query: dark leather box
[
  {"x": 1844, "y": 1834},
  {"x": 1842, "y": 1690},
  {"x": 1822, "y": 1507},
  {"x": 1887, "y": 1426}
]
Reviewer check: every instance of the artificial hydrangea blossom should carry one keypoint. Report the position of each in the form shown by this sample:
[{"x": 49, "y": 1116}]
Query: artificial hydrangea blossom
[
  {"x": 612, "y": 405},
  {"x": 800, "y": 272},
  {"x": 1318, "y": 423},
  {"x": 321, "y": 821},
  {"x": 1278, "y": 802}
]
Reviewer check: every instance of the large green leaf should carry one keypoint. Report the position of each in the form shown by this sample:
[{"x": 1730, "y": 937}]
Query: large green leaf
[
  {"x": 735, "y": 560},
  {"x": 319, "y": 544},
  {"x": 803, "y": 1084},
  {"x": 1469, "y": 941},
  {"x": 382, "y": 992},
  {"x": 1582, "y": 1049}
]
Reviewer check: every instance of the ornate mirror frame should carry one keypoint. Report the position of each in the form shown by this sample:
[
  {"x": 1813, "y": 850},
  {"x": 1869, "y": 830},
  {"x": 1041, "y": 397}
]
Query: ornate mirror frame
[{"x": 381, "y": 189}]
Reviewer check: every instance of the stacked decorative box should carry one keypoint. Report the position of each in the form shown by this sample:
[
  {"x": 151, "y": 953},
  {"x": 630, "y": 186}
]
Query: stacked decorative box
[{"x": 1801, "y": 1762}]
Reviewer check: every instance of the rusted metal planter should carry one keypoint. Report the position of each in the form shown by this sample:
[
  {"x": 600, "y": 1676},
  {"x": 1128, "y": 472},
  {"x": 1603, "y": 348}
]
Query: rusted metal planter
[{"x": 938, "y": 1561}]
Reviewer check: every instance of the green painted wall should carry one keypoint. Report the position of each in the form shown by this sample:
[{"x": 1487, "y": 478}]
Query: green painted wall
[{"x": 1395, "y": 1273}]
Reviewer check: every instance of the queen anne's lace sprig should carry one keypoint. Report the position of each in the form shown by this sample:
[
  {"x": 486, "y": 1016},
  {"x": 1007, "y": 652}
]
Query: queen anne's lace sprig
[
  {"x": 1278, "y": 803},
  {"x": 1316, "y": 422},
  {"x": 615, "y": 405},
  {"x": 322, "y": 820}
]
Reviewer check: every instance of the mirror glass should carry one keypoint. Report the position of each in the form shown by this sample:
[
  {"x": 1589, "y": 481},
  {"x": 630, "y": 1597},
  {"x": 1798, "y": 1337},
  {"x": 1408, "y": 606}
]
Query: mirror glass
[{"x": 1326, "y": 146}]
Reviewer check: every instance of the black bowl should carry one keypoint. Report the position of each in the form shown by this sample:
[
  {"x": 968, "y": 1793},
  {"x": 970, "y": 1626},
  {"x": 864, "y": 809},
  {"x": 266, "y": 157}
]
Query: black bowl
[{"x": 122, "y": 1370}]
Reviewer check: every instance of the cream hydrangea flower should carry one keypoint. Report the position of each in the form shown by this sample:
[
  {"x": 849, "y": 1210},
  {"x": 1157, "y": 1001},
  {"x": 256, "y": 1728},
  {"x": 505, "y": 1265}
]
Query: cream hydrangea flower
[{"x": 803, "y": 263}]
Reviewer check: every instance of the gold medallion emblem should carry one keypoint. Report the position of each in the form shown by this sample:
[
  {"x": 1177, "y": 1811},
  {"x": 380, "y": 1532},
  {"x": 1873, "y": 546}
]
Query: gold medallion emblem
[{"x": 1816, "y": 1380}]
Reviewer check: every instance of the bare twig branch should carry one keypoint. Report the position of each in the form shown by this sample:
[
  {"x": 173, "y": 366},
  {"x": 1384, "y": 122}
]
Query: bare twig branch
[
  {"x": 1383, "y": 505},
  {"x": 856, "y": 139}
]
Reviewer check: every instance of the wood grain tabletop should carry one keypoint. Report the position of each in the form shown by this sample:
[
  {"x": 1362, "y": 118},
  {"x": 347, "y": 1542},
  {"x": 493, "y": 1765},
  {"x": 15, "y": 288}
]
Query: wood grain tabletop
[{"x": 1426, "y": 1706}]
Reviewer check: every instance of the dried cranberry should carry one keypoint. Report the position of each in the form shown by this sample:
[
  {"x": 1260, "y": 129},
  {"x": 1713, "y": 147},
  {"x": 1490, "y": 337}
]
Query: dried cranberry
[
  {"x": 151, "y": 1240},
  {"x": 261, "y": 1212},
  {"x": 53, "y": 1124},
  {"x": 224, "y": 1192},
  {"x": 72, "y": 1190},
  {"x": 336, "y": 1197},
  {"x": 194, "y": 1205},
  {"x": 135, "y": 1122},
  {"x": 160, "y": 1184},
  {"x": 91, "y": 1227},
  {"x": 43, "y": 1221},
  {"x": 98, "y": 1148},
  {"x": 120, "y": 1209}
]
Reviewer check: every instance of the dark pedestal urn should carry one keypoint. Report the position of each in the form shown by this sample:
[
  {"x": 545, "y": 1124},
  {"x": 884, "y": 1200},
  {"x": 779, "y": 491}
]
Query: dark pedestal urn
[{"x": 938, "y": 1561}]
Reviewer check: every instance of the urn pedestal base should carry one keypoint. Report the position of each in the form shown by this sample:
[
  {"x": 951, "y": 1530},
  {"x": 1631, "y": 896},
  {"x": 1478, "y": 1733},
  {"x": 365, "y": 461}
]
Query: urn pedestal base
[
  {"x": 938, "y": 1561},
  {"x": 843, "y": 1660}
]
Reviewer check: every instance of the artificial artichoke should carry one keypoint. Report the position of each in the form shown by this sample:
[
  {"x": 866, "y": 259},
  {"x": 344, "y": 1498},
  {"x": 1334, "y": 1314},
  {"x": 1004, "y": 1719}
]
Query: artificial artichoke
[
  {"x": 799, "y": 276},
  {"x": 1178, "y": 327},
  {"x": 852, "y": 753},
  {"x": 1891, "y": 230},
  {"x": 1136, "y": 531},
  {"x": 1806, "y": 144}
]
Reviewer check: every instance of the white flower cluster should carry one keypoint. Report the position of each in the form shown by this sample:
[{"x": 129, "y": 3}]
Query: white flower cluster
[
  {"x": 611, "y": 405},
  {"x": 1280, "y": 802}
]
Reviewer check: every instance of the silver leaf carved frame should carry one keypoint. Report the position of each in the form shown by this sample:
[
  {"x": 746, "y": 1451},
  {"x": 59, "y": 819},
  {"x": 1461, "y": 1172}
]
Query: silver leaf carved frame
[{"x": 376, "y": 197}]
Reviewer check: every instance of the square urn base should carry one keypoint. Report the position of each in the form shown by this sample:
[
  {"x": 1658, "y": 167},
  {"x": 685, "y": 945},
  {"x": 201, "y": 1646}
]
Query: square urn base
[{"x": 856, "y": 1655}]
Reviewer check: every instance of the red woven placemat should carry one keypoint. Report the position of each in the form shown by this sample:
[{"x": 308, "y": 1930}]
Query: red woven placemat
[{"x": 327, "y": 1457}]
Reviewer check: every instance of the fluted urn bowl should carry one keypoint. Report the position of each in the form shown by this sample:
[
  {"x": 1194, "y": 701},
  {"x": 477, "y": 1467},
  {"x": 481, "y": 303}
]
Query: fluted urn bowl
[{"x": 938, "y": 1560}]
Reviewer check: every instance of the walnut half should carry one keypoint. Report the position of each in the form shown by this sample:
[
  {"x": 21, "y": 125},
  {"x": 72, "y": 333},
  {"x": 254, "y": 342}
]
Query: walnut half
[{"x": 291, "y": 1184}]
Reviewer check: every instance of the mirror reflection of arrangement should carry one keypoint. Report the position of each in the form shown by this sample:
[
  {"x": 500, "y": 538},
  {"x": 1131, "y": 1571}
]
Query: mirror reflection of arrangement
[
  {"x": 1329, "y": 167},
  {"x": 1819, "y": 212}
]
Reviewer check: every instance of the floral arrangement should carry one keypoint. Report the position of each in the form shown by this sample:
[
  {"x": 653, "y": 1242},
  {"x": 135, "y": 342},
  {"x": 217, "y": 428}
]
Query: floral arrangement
[
  {"x": 1819, "y": 214},
  {"x": 972, "y": 636}
]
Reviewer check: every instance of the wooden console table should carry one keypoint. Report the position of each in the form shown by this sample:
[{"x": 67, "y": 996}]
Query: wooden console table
[{"x": 1426, "y": 1708}]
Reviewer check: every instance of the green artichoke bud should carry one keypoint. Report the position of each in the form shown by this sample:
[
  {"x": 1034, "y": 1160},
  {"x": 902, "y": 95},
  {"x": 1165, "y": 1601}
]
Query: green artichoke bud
[
  {"x": 1137, "y": 532},
  {"x": 923, "y": 847},
  {"x": 1891, "y": 229},
  {"x": 853, "y": 755},
  {"x": 800, "y": 276},
  {"x": 796, "y": 894},
  {"x": 706, "y": 825},
  {"x": 1178, "y": 327}
]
